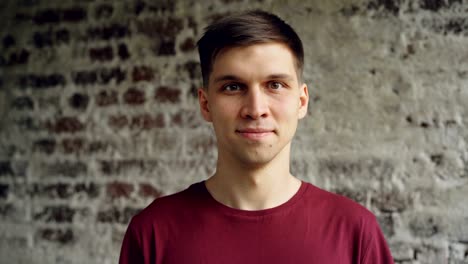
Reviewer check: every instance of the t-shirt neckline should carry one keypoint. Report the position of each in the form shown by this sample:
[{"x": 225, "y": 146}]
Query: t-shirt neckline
[{"x": 253, "y": 213}]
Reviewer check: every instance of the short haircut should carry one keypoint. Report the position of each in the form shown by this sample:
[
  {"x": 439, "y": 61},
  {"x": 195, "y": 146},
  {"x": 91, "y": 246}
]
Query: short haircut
[{"x": 245, "y": 29}]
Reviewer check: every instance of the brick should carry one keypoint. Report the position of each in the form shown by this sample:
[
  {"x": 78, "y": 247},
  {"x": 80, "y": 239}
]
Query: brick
[
  {"x": 74, "y": 14},
  {"x": 47, "y": 16},
  {"x": 57, "y": 214},
  {"x": 46, "y": 146},
  {"x": 147, "y": 122},
  {"x": 166, "y": 48},
  {"x": 393, "y": 201},
  {"x": 448, "y": 26},
  {"x": 166, "y": 94},
  {"x": 7, "y": 211},
  {"x": 456, "y": 26},
  {"x": 18, "y": 58},
  {"x": 53, "y": 190},
  {"x": 85, "y": 77},
  {"x": 54, "y": 16},
  {"x": 437, "y": 159},
  {"x": 425, "y": 225},
  {"x": 188, "y": 45},
  {"x": 205, "y": 145},
  {"x": 28, "y": 124},
  {"x": 6, "y": 169},
  {"x": 79, "y": 101},
  {"x": 436, "y": 5},
  {"x": 103, "y": 11},
  {"x": 147, "y": 190},
  {"x": 193, "y": 91},
  {"x": 359, "y": 196},
  {"x": 113, "y": 74},
  {"x": 105, "y": 98},
  {"x": 427, "y": 253},
  {"x": 192, "y": 24},
  {"x": 118, "y": 167},
  {"x": 97, "y": 146},
  {"x": 23, "y": 103},
  {"x": 365, "y": 169},
  {"x": 3, "y": 61},
  {"x": 350, "y": 10},
  {"x": 167, "y": 28},
  {"x": 118, "y": 121},
  {"x": 90, "y": 190},
  {"x": 390, "y": 6},
  {"x": 123, "y": 51},
  {"x": 71, "y": 169},
  {"x": 8, "y": 41},
  {"x": 49, "y": 102},
  {"x": 117, "y": 190},
  {"x": 142, "y": 73},
  {"x": 4, "y": 190},
  {"x": 72, "y": 145},
  {"x": 62, "y": 36},
  {"x": 64, "y": 190},
  {"x": 66, "y": 125},
  {"x": 62, "y": 236},
  {"x": 113, "y": 31},
  {"x": 186, "y": 119},
  {"x": 134, "y": 96},
  {"x": 101, "y": 54},
  {"x": 117, "y": 215},
  {"x": 139, "y": 6},
  {"x": 50, "y": 38},
  {"x": 153, "y": 7},
  {"x": 22, "y": 17},
  {"x": 193, "y": 69},
  {"x": 42, "y": 39},
  {"x": 15, "y": 168},
  {"x": 41, "y": 81}
]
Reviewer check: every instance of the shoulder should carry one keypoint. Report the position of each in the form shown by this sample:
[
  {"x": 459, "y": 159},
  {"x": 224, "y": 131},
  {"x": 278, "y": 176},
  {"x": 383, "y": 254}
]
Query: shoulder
[
  {"x": 167, "y": 207},
  {"x": 336, "y": 206}
]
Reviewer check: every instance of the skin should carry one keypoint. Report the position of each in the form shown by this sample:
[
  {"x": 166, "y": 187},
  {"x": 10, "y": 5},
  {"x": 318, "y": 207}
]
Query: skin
[{"x": 254, "y": 100}]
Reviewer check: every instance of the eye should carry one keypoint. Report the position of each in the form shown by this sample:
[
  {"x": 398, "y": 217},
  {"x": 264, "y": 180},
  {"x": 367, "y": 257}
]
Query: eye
[
  {"x": 275, "y": 85},
  {"x": 231, "y": 87}
]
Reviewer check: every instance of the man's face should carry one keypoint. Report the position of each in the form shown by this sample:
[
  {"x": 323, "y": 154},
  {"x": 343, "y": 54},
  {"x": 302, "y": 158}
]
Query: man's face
[{"x": 254, "y": 100}]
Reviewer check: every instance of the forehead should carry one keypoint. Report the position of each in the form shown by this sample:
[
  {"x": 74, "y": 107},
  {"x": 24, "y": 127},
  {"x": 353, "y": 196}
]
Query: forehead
[{"x": 254, "y": 61}]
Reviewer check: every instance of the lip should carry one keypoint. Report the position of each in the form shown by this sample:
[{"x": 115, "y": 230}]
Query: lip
[{"x": 255, "y": 133}]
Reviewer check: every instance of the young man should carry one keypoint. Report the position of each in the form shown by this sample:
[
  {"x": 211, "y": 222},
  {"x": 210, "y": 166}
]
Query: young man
[{"x": 252, "y": 210}]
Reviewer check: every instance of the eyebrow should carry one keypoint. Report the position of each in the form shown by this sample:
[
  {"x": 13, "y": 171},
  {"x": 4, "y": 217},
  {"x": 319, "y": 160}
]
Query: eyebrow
[{"x": 230, "y": 77}]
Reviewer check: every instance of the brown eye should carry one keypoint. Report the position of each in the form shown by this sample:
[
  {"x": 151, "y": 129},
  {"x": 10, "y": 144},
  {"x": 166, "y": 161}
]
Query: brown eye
[
  {"x": 232, "y": 87},
  {"x": 275, "y": 85}
]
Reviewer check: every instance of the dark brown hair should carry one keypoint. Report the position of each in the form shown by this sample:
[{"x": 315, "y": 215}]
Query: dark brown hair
[{"x": 244, "y": 29}]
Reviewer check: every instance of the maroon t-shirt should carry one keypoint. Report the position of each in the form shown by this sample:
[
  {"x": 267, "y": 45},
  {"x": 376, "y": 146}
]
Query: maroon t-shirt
[{"x": 314, "y": 226}]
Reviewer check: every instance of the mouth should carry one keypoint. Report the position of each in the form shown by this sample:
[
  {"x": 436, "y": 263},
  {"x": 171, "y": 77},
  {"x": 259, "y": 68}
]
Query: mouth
[{"x": 255, "y": 133}]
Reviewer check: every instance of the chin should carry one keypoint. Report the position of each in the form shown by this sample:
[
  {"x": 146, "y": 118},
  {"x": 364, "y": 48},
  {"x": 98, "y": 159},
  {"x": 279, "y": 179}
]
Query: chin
[{"x": 257, "y": 159}]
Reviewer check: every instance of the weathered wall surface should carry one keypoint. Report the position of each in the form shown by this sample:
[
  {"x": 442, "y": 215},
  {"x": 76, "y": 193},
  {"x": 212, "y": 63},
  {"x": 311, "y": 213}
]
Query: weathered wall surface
[{"x": 98, "y": 116}]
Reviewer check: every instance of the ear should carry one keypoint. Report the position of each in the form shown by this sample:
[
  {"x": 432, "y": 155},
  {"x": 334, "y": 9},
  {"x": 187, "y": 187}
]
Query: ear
[
  {"x": 303, "y": 101},
  {"x": 203, "y": 101}
]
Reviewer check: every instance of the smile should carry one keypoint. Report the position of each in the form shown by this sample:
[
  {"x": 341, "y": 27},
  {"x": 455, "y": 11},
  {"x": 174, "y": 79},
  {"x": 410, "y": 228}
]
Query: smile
[{"x": 255, "y": 134}]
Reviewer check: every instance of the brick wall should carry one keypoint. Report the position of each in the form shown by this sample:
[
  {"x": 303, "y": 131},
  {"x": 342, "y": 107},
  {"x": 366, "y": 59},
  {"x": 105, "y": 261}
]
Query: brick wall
[{"x": 99, "y": 116}]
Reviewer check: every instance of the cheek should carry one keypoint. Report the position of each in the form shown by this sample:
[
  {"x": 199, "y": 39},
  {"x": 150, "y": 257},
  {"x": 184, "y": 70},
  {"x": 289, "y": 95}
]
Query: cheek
[
  {"x": 222, "y": 110},
  {"x": 287, "y": 107}
]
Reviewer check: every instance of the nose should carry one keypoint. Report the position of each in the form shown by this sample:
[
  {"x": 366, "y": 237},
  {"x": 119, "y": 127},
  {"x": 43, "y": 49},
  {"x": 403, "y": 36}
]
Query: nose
[{"x": 255, "y": 104}]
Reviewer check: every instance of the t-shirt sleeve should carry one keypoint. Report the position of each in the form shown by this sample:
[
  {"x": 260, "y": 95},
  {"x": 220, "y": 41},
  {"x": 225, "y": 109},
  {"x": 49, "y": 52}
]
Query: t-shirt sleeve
[
  {"x": 131, "y": 251},
  {"x": 376, "y": 250}
]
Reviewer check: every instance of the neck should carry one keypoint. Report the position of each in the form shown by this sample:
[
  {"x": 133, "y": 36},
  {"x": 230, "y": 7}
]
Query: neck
[{"x": 253, "y": 186}]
